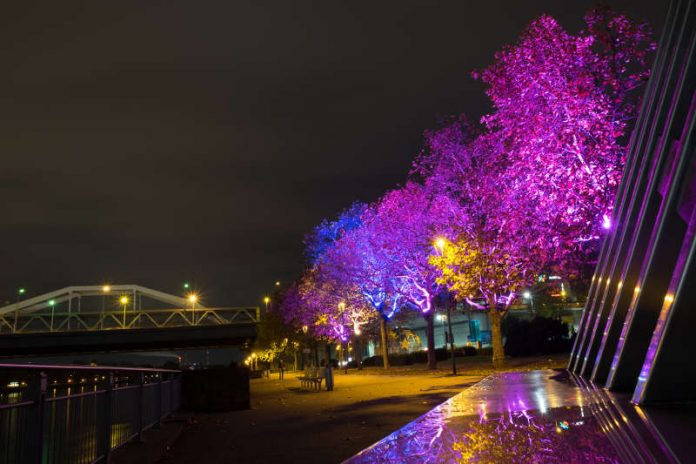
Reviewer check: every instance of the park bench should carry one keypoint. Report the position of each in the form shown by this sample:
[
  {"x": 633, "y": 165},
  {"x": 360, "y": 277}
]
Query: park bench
[{"x": 311, "y": 379}]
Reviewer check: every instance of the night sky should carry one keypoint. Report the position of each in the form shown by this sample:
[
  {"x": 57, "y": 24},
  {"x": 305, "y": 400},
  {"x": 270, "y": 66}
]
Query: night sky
[{"x": 162, "y": 142}]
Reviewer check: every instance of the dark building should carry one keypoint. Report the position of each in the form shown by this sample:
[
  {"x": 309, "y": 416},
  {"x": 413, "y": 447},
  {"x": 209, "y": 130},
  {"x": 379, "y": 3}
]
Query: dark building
[{"x": 637, "y": 330}]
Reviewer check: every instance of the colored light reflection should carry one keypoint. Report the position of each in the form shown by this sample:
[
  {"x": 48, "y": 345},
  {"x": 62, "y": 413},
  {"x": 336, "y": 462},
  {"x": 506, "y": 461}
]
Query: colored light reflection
[{"x": 492, "y": 422}]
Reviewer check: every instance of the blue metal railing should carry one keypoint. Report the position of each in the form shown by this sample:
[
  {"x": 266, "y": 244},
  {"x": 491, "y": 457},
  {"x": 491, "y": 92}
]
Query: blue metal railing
[{"x": 79, "y": 414}]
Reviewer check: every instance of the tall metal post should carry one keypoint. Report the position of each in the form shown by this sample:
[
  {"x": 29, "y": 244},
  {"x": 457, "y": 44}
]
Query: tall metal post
[
  {"x": 69, "y": 309},
  {"x": 451, "y": 337},
  {"x": 158, "y": 409},
  {"x": 40, "y": 401},
  {"x": 104, "y": 433},
  {"x": 139, "y": 407}
]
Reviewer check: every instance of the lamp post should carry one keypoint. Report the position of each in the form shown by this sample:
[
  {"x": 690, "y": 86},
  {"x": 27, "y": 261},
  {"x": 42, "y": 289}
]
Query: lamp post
[
  {"x": 105, "y": 289},
  {"x": 440, "y": 244},
  {"x": 266, "y": 301},
  {"x": 192, "y": 298},
  {"x": 527, "y": 295},
  {"x": 441, "y": 318},
  {"x": 20, "y": 292},
  {"x": 52, "y": 304},
  {"x": 124, "y": 302}
]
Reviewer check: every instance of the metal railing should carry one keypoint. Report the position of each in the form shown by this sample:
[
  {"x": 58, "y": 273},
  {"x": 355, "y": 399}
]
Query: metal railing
[
  {"x": 54, "y": 321},
  {"x": 79, "y": 414}
]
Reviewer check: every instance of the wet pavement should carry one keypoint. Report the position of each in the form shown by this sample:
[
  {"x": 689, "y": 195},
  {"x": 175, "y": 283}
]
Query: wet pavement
[{"x": 540, "y": 416}]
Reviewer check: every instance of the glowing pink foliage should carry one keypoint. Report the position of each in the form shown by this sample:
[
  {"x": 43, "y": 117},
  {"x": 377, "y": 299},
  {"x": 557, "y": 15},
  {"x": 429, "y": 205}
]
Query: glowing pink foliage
[{"x": 562, "y": 103}]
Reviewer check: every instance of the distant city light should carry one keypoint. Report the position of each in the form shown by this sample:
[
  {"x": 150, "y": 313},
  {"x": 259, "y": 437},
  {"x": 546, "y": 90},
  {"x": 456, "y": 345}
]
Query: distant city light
[
  {"x": 266, "y": 299},
  {"x": 124, "y": 300},
  {"x": 186, "y": 285},
  {"x": 22, "y": 291},
  {"x": 106, "y": 288},
  {"x": 193, "y": 298},
  {"x": 277, "y": 283}
]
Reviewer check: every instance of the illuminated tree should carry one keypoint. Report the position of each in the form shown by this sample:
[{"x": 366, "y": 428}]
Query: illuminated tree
[
  {"x": 561, "y": 108},
  {"x": 482, "y": 266},
  {"x": 406, "y": 223},
  {"x": 357, "y": 261}
]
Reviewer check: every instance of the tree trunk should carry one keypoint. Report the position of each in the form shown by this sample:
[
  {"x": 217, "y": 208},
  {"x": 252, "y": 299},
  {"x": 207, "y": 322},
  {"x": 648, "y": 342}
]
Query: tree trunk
[
  {"x": 357, "y": 349},
  {"x": 496, "y": 317},
  {"x": 430, "y": 335},
  {"x": 385, "y": 346}
]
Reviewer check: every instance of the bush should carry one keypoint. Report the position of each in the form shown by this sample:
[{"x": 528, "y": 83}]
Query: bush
[{"x": 541, "y": 335}]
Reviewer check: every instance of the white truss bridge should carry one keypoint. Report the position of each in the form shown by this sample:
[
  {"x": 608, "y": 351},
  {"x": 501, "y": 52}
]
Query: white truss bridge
[{"x": 114, "y": 307}]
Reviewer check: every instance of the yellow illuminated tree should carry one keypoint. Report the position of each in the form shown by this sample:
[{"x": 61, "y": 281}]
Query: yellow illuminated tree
[{"x": 475, "y": 268}]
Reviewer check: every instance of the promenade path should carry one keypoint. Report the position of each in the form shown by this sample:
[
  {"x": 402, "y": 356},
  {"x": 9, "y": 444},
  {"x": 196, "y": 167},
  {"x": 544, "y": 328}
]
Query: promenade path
[{"x": 288, "y": 425}]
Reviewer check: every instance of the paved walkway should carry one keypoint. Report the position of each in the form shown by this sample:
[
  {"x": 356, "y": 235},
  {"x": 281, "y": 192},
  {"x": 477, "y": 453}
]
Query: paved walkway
[{"x": 288, "y": 425}]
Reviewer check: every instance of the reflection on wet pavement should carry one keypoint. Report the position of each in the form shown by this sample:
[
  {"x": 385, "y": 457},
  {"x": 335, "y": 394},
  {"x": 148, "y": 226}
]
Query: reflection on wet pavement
[{"x": 530, "y": 417}]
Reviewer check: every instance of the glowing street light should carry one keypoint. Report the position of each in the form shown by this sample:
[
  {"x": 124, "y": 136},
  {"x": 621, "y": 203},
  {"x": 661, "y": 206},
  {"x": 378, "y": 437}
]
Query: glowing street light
[
  {"x": 106, "y": 288},
  {"x": 341, "y": 305},
  {"x": 193, "y": 298},
  {"x": 22, "y": 291},
  {"x": 440, "y": 243},
  {"x": 124, "y": 301},
  {"x": 266, "y": 300},
  {"x": 186, "y": 286},
  {"x": 277, "y": 283},
  {"x": 52, "y": 304},
  {"x": 526, "y": 295}
]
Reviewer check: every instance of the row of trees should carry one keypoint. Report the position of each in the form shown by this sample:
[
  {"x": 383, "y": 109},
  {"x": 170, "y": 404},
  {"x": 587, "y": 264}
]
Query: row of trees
[{"x": 487, "y": 208}]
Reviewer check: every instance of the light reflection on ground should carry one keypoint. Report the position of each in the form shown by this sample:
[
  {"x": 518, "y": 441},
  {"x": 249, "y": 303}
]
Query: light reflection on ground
[{"x": 530, "y": 417}]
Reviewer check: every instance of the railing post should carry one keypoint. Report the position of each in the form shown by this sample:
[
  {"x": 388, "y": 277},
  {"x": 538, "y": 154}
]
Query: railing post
[
  {"x": 40, "y": 401},
  {"x": 158, "y": 409},
  {"x": 104, "y": 427},
  {"x": 139, "y": 406}
]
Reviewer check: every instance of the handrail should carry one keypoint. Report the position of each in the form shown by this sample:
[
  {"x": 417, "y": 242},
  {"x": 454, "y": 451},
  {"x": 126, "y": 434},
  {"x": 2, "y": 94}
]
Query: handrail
[
  {"x": 86, "y": 368},
  {"x": 106, "y": 414}
]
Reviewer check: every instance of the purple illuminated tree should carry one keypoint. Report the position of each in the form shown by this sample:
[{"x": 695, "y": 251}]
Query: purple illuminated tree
[
  {"x": 539, "y": 184},
  {"x": 562, "y": 105},
  {"x": 356, "y": 261},
  {"x": 406, "y": 223}
]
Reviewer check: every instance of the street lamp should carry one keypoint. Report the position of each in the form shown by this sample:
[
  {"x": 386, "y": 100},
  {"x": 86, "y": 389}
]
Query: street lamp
[
  {"x": 124, "y": 301},
  {"x": 52, "y": 304},
  {"x": 442, "y": 318},
  {"x": 266, "y": 300},
  {"x": 440, "y": 243},
  {"x": 21, "y": 291},
  {"x": 186, "y": 286},
  {"x": 192, "y": 298},
  {"x": 277, "y": 283},
  {"x": 527, "y": 295}
]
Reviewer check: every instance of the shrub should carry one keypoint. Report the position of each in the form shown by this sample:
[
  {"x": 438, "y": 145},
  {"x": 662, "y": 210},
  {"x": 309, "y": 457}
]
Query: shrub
[{"x": 541, "y": 335}]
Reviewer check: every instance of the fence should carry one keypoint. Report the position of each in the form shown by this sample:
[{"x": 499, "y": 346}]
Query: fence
[{"x": 79, "y": 414}]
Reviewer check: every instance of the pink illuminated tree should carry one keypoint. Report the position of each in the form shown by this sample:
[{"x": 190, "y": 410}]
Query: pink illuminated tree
[
  {"x": 357, "y": 261},
  {"x": 405, "y": 224},
  {"x": 562, "y": 106}
]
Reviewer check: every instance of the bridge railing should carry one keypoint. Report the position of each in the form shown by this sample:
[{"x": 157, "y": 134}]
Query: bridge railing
[
  {"x": 79, "y": 414},
  {"x": 54, "y": 321}
]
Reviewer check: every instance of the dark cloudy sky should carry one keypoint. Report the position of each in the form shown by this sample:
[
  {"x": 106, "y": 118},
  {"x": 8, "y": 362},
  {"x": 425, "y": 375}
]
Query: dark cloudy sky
[{"x": 162, "y": 141}]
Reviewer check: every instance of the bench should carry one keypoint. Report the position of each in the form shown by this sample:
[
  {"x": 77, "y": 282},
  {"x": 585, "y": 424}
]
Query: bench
[{"x": 311, "y": 379}]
